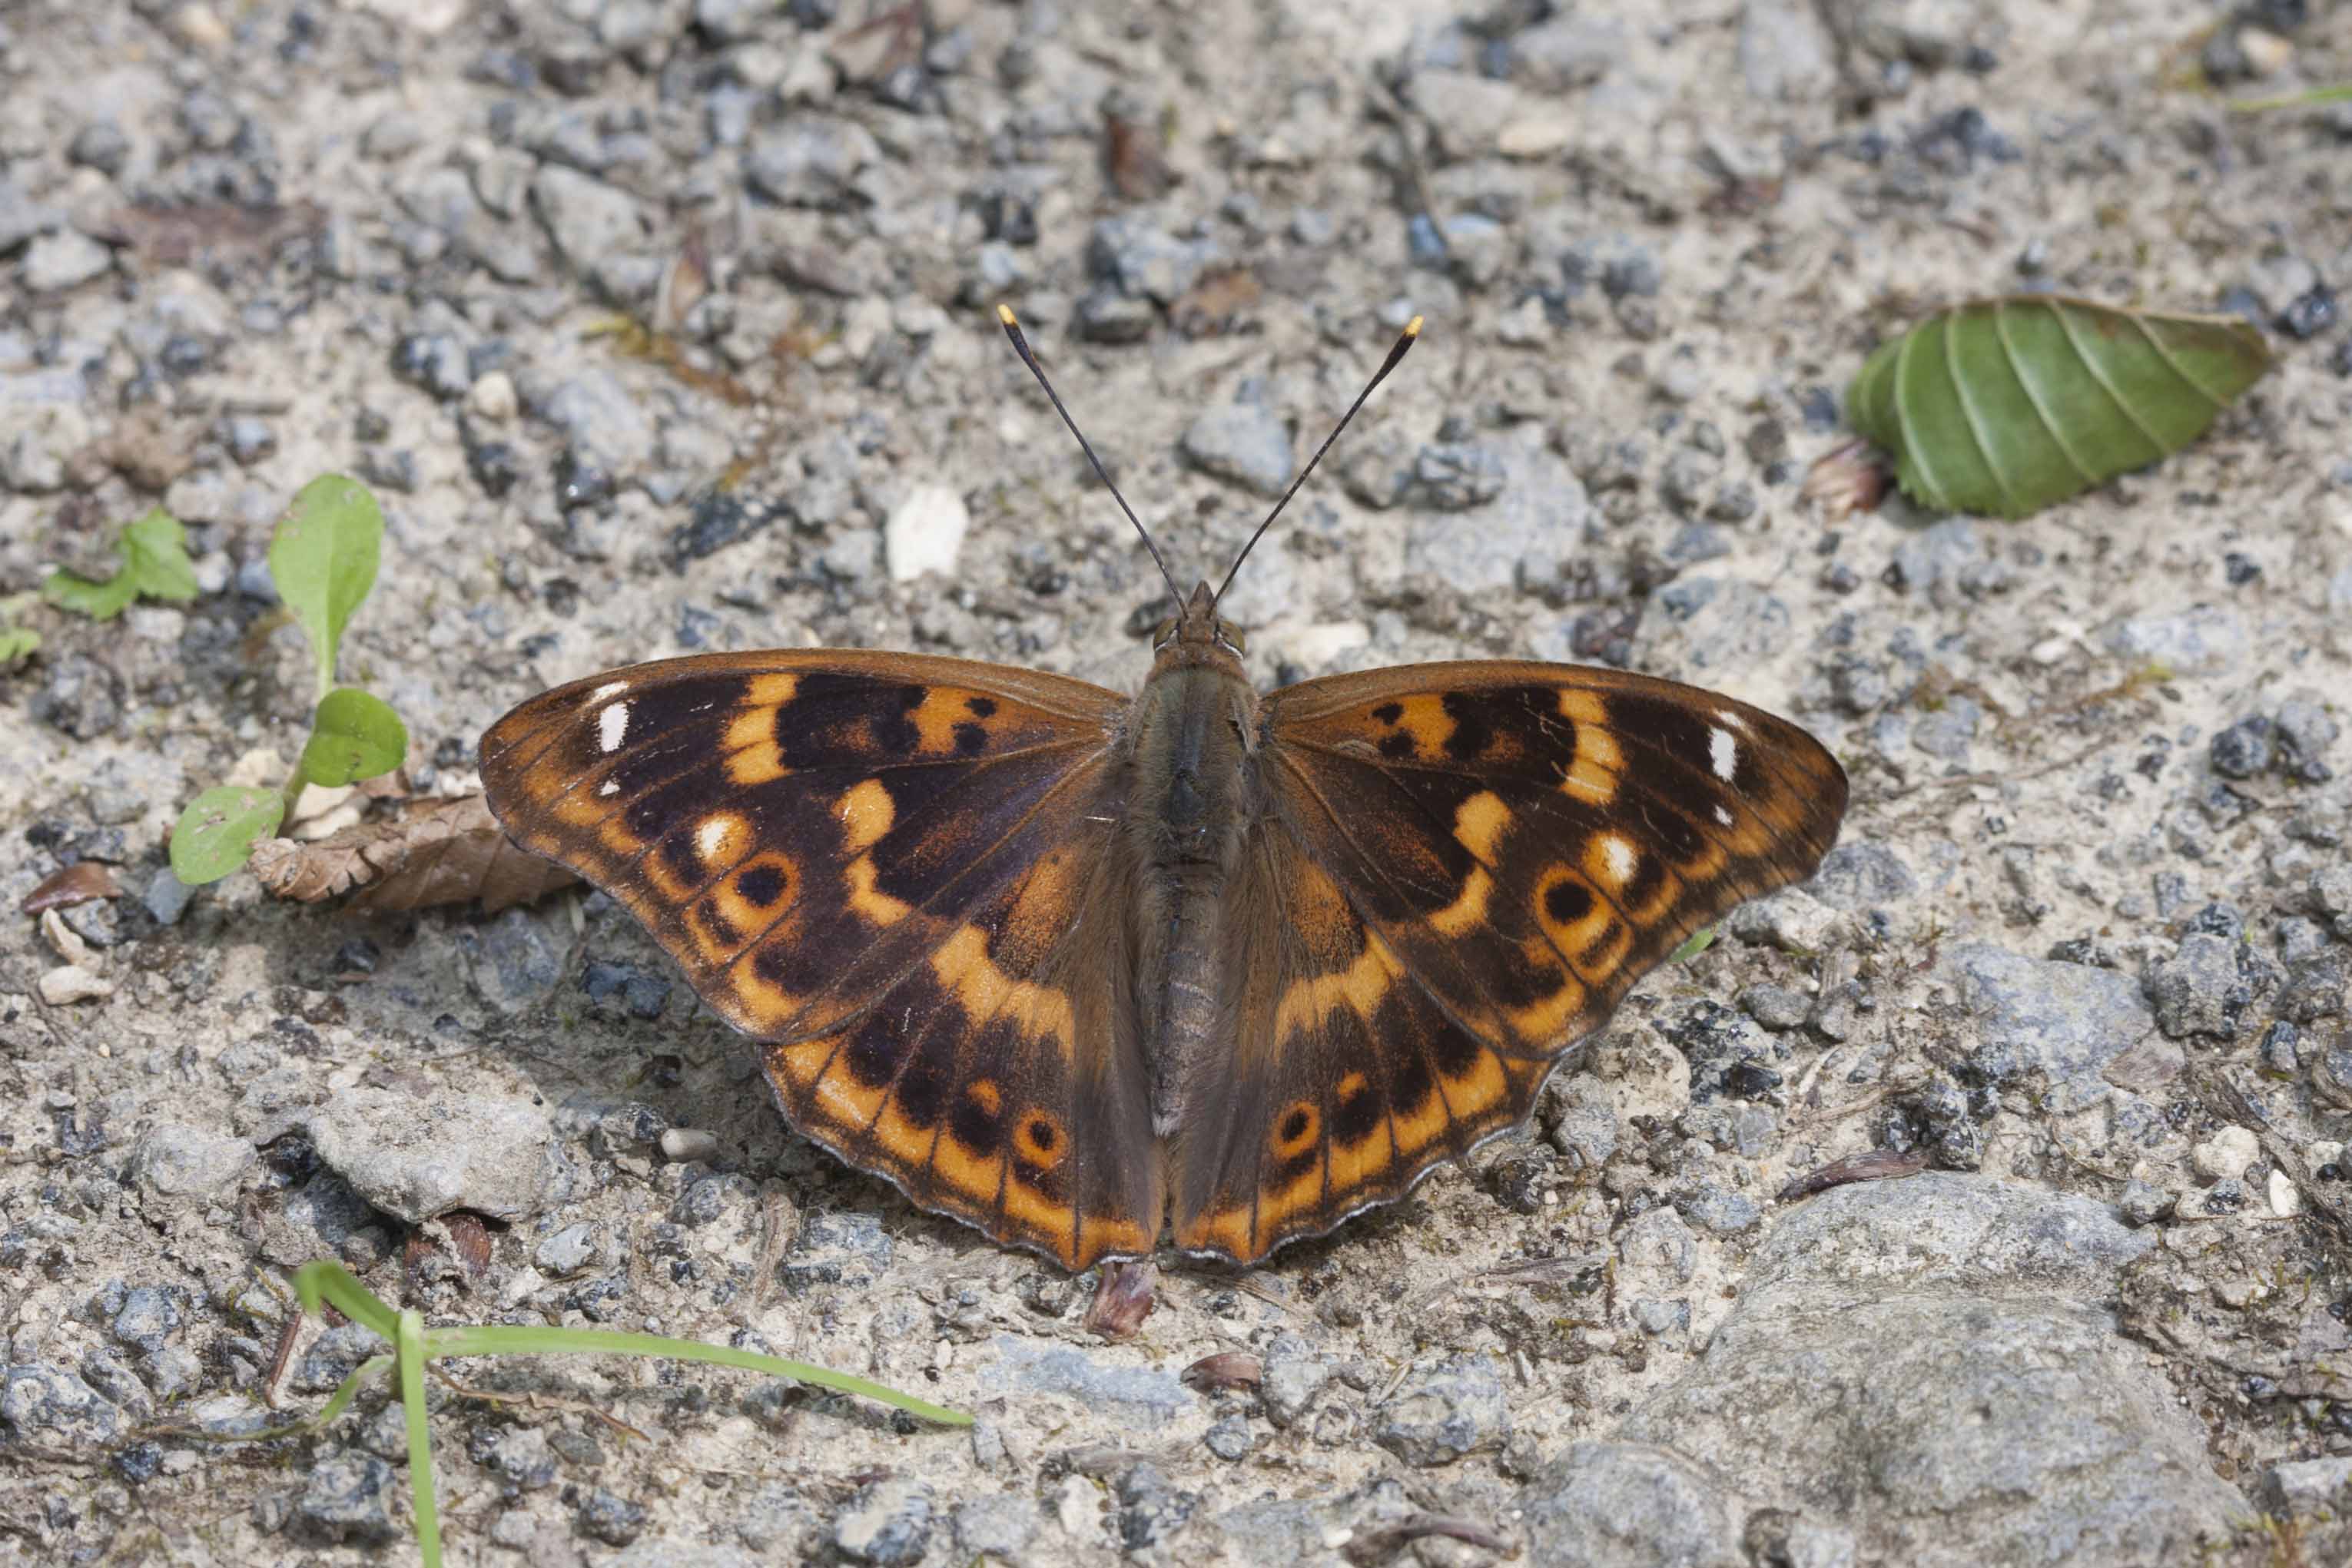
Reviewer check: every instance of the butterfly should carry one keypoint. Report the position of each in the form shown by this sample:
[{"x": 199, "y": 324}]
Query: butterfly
[{"x": 1204, "y": 967}]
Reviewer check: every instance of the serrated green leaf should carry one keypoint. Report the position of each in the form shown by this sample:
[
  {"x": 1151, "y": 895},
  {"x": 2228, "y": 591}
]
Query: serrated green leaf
[
  {"x": 217, "y": 832},
  {"x": 2006, "y": 406},
  {"x": 353, "y": 737},
  {"x": 323, "y": 561},
  {"x": 99, "y": 600},
  {"x": 155, "y": 565},
  {"x": 155, "y": 557}
]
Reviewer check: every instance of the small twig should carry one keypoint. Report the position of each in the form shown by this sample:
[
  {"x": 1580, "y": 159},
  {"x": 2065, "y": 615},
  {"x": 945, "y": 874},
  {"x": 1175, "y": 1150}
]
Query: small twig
[{"x": 533, "y": 1400}]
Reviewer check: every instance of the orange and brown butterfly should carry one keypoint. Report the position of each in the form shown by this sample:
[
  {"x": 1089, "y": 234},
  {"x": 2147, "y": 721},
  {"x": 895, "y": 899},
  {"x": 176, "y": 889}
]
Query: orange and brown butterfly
[{"x": 1204, "y": 967}]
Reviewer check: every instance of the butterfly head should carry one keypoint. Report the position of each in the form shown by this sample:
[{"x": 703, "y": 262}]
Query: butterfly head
[{"x": 1199, "y": 635}]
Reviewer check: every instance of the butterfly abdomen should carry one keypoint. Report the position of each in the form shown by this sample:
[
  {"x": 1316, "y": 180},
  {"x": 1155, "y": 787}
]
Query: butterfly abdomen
[{"x": 1187, "y": 814}]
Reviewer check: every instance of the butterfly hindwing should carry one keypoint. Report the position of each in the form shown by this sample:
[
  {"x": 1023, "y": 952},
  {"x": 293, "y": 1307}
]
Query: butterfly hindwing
[
  {"x": 884, "y": 867},
  {"x": 1497, "y": 852}
]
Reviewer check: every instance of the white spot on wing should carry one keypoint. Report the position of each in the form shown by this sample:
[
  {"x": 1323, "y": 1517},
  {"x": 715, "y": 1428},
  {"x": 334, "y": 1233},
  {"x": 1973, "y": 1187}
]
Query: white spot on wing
[
  {"x": 1624, "y": 860},
  {"x": 612, "y": 726},
  {"x": 610, "y": 688},
  {"x": 712, "y": 835},
  {"x": 1723, "y": 816},
  {"x": 1723, "y": 752},
  {"x": 1734, "y": 721},
  {"x": 609, "y": 787}
]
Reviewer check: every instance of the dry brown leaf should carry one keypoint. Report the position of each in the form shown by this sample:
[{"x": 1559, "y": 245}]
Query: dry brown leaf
[
  {"x": 81, "y": 883},
  {"x": 1124, "y": 1297},
  {"x": 1132, "y": 157},
  {"x": 431, "y": 851},
  {"x": 1215, "y": 305}
]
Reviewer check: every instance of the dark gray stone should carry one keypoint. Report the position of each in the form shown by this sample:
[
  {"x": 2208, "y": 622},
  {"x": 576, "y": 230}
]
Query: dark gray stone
[
  {"x": 347, "y": 1496},
  {"x": 2201, "y": 989},
  {"x": 610, "y": 1518}
]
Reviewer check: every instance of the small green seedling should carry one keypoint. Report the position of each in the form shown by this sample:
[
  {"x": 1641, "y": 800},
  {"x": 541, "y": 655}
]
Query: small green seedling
[
  {"x": 16, "y": 642},
  {"x": 1699, "y": 942},
  {"x": 323, "y": 561},
  {"x": 155, "y": 565},
  {"x": 416, "y": 1347}
]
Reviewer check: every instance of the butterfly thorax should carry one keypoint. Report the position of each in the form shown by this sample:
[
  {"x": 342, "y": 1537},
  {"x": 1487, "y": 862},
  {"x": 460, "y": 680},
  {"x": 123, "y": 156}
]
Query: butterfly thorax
[{"x": 1192, "y": 797}]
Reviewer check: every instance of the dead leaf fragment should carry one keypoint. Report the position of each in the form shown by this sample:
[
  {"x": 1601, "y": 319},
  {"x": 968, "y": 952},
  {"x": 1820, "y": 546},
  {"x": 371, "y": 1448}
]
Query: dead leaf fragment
[
  {"x": 1875, "y": 1164},
  {"x": 1215, "y": 305},
  {"x": 83, "y": 881},
  {"x": 1123, "y": 1300},
  {"x": 431, "y": 851},
  {"x": 1225, "y": 1369}
]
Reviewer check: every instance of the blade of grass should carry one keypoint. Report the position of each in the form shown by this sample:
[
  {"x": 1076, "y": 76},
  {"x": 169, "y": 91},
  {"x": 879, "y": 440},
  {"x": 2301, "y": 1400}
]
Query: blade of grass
[
  {"x": 320, "y": 1281},
  {"x": 512, "y": 1339},
  {"x": 412, "y": 1354}
]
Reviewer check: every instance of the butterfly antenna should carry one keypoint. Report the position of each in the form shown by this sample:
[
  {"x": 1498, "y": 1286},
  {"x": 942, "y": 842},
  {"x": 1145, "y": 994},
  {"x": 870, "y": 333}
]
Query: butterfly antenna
[
  {"x": 1405, "y": 340},
  {"x": 1021, "y": 346}
]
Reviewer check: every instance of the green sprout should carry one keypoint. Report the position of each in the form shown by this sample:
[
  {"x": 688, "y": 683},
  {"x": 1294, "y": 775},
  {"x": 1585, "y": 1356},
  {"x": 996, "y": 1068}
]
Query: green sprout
[
  {"x": 323, "y": 561},
  {"x": 155, "y": 565},
  {"x": 416, "y": 1347}
]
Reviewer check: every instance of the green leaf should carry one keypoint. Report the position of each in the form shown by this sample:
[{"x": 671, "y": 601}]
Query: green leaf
[
  {"x": 323, "y": 561},
  {"x": 2006, "y": 406},
  {"x": 155, "y": 557},
  {"x": 217, "y": 832},
  {"x": 353, "y": 737},
  {"x": 155, "y": 565},
  {"x": 16, "y": 642},
  {"x": 1699, "y": 942}
]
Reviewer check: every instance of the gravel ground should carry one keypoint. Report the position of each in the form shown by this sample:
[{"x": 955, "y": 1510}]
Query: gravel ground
[{"x": 2083, "y": 955}]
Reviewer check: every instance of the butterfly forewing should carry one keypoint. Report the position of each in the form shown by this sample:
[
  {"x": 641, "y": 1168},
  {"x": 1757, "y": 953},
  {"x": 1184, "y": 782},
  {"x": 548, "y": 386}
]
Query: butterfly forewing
[
  {"x": 890, "y": 868},
  {"x": 1492, "y": 854}
]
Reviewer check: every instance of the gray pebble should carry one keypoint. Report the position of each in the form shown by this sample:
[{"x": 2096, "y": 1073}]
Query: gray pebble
[
  {"x": 1658, "y": 1319},
  {"x": 347, "y": 1497},
  {"x": 887, "y": 1523},
  {"x": 1443, "y": 1411},
  {"x": 1103, "y": 315},
  {"x": 2243, "y": 749},
  {"x": 1292, "y": 1376},
  {"x": 1857, "y": 876},
  {"x": 1453, "y": 477},
  {"x": 1776, "y": 1007},
  {"x": 173, "y": 1160},
  {"x": 1245, "y": 442},
  {"x": 610, "y": 1518},
  {"x": 65, "y": 260},
  {"x": 1229, "y": 1438},
  {"x": 588, "y": 219},
  {"x": 395, "y": 133},
  {"x": 1719, "y": 1209},
  {"x": 2143, "y": 1205},
  {"x": 2201, "y": 989},
  {"x": 1000, "y": 1526},
  {"x": 99, "y": 145},
  {"x": 42, "y": 1403},
  {"x": 569, "y": 1250},
  {"x": 2305, "y": 732},
  {"x": 1143, "y": 261},
  {"x": 810, "y": 161}
]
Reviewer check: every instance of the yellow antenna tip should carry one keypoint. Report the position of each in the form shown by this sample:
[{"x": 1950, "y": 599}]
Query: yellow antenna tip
[
  {"x": 1412, "y": 328},
  {"x": 1004, "y": 314}
]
